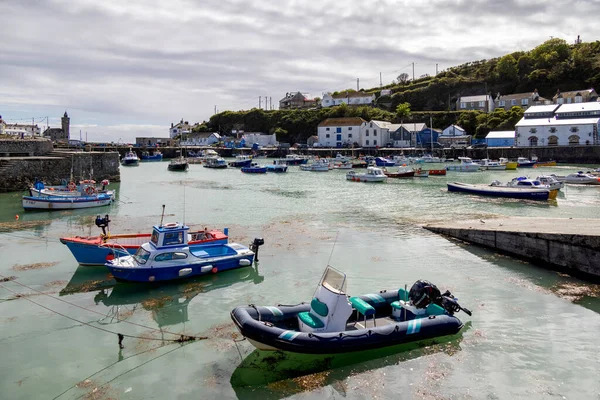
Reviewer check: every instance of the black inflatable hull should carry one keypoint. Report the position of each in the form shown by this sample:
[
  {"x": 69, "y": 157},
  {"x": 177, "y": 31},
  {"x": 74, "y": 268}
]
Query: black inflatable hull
[{"x": 276, "y": 328}]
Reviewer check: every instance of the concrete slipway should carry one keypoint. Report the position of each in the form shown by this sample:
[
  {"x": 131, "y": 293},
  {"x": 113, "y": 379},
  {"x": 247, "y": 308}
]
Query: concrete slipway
[{"x": 568, "y": 245}]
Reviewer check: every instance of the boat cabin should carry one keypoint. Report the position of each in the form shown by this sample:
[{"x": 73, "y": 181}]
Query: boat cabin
[
  {"x": 329, "y": 308},
  {"x": 374, "y": 171},
  {"x": 169, "y": 235}
]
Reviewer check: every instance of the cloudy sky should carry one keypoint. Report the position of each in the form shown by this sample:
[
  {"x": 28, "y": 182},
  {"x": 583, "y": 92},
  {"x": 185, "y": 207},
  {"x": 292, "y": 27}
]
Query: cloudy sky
[{"x": 127, "y": 68}]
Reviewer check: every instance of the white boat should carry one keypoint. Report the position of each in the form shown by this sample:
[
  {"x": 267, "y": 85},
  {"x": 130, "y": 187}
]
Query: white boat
[
  {"x": 65, "y": 203},
  {"x": 341, "y": 165},
  {"x": 466, "y": 165},
  {"x": 550, "y": 181},
  {"x": 523, "y": 182},
  {"x": 316, "y": 166},
  {"x": 488, "y": 164},
  {"x": 86, "y": 187},
  {"x": 580, "y": 178},
  {"x": 373, "y": 174},
  {"x": 130, "y": 159},
  {"x": 428, "y": 158},
  {"x": 421, "y": 173}
]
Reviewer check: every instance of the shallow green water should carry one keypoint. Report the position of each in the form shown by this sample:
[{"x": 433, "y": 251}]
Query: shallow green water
[{"x": 523, "y": 340}]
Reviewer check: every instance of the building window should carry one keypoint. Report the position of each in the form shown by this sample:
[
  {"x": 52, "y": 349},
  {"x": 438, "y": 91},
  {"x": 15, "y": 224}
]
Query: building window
[
  {"x": 560, "y": 100},
  {"x": 553, "y": 141},
  {"x": 349, "y": 135},
  {"x": 463, "y": 105},
  {"x": 349, "y": 128},
  {"x": 524, "y": 102},
  {"x": 367, "y": 133},
  {"x": 374, "y": 132},
  {"x": 482, "y": 104},
  {"x": 338, "y": 130},
  {"x": 533, "y": 130},
  {"x": 533, "y": 141},
  {"x": 366, "y": 143},
  {"x": 327, "y": 129},
  {"x": 472, "y": 104},
  {"x": 327, "y": 135},
  {"x": 573, "y": 140},
  {"x": 552, "y": 130},
  {"x": 568, "y": 100},
  {"x": 374, "y": 142},
  {"x": 574, "y": 129},
  {"x": 578, "y": 99},
  {"x": 501, "y": 103},
  {"x": 513, "y": 102}
]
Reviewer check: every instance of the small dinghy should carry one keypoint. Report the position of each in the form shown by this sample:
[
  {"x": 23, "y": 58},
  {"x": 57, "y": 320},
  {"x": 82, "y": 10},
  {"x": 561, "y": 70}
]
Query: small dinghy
[{"x": 335, "y": 323}]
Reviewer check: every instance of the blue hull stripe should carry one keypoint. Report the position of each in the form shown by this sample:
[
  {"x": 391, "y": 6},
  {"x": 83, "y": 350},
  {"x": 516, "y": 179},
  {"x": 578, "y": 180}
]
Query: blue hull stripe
[{"x": 289, "y": 335}]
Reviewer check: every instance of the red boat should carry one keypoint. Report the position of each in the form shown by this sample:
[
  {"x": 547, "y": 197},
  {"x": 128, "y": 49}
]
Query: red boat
[{"x": 437, "y": 172}]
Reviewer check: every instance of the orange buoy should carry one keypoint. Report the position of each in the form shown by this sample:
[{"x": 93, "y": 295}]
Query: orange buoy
[
  {"x": 17, "y": 217},
  {"x": 214, "y": 270},
  {"x": 110, "y": 257}
]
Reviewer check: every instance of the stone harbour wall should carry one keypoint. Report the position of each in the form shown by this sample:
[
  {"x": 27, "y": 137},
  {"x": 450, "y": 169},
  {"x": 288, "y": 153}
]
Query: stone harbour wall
[
  {"x": 18, "y": 174},
  {"x": 25, "y": 147}
]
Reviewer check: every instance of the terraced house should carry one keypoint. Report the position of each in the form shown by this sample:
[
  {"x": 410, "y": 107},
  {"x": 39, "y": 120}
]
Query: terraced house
[
  {"x": 523, "y": 100},
  {"x": 350, "y": 98}
]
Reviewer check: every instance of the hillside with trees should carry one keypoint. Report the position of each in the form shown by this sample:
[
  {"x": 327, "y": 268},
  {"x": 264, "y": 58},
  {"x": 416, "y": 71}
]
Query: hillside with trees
[{"x": 551, "y": 66}]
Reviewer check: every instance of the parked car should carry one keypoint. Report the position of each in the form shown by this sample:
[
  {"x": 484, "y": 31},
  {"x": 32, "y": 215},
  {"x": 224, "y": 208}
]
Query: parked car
[
  {"x": 478, "y": 146},
  {"x": 459, "y": 145}
]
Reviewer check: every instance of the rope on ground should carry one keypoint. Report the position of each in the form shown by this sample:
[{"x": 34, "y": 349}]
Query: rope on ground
[
  {"x": 12, "y": 279},
  {"x": 181, "y": 339}
]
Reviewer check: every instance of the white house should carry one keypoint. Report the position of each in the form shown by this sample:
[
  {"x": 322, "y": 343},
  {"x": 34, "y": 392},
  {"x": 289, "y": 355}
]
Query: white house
[
  {"x": 19, "y": 129},
  {"x": 262, "y": 139},
  {"x": 200, "y": 139},
  {"x": 337, "y": 132},
  {"x": 559, "y": 125},
  {"x": 350, "y": 98},
  {"x": 454, "y": 130},
  {"x": 182, "y": 128},
  {"x": 375, "y": 133}
]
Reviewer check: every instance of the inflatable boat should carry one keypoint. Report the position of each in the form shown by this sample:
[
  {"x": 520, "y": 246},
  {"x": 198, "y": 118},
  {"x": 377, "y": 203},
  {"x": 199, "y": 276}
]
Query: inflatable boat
[{"x": 333, "y": 322}]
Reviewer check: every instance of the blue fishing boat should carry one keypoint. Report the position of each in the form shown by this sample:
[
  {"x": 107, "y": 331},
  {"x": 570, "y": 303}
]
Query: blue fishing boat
[
  {"x": 156, "y": 156},
  {"x": 277, "y": 166},
  {"x": 254, "y": 168},
  {"x": 168, "y": 256},
  {"x": 333, "y": 322},
  {"x": 384, "y": 162},
  {"x": 523, "y": 162},
  {"x": 241, "y": 161}
]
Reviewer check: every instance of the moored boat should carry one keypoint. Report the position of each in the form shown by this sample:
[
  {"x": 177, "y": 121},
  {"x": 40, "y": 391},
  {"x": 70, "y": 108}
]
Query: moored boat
[
  {"x": 254, "y": 168},
  {"x": 466, "y": 165},
  {"x": 527, "y": 193},
  {"x": 401, "y": 172},
  {"x": 147, "y": 156},
  {"x": 488, "y": 164},
  {"x": 94, "y": 250},
  {"x": 169, "y": 256},
  {"x": 437, "y": 172},
  {"x": 295, "y": 159},
  {"x": 42, "y": 202},
  {"x": 384, "y": 162},
  {"x": 421, "y": 173},
  {"x": 524, "y": 162},
  {"x": 277, "y": 166},
  {"x": 509, "y": 165},
  {"x": 316, "y": 166},
  {"x": 241, "y": 160},
  {"x": 334, "y": 323},
  {"x": 215, "y": 162},
  {"x": 130, "y": 159},
  {"x": 550, "y": 181},
  {"x": 579, "y": 178},
  {"x": 178, "y": 164},
  {"x": 373, "y": 174},
  {"x": 549, "y": 163},
  {"x": 86, "y": 187}
]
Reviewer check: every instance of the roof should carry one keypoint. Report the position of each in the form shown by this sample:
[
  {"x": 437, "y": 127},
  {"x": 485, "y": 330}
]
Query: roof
[
  {"x": 557, "y": 122},
  {"x": 411, "y": 127},
  {"x": 575, "y": 107},
  {"x": 501, "y": 135},
  {"x": 381, "y": 124},
  {"x": 350, "y": 121},
  {"x": 572, "y": 93},
  {"x": 344, "y": 95},
  {"x": 548, "y": 108},
  {"x": 456, "y": 127},
  {"x": 481, "y": 97}
]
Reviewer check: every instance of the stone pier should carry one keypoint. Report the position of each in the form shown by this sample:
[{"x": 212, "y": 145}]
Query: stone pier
[{"x": 566, "y": 245}]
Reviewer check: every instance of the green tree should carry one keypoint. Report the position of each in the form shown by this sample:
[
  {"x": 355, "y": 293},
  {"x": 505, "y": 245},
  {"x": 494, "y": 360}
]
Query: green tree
[
  {"x": 507, "y": 67},
  {"x": 403, "y": 111},
  {"x": 550, "y": 52}
]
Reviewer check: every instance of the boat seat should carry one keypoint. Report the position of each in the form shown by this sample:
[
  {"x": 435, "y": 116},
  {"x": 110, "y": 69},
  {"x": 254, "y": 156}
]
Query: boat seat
[
  {"x": 319, "y": 307},
  {"x": 364, "y": 308},
  {"x": 411, "y": 312},
  {"x": 310, "y": 320}
]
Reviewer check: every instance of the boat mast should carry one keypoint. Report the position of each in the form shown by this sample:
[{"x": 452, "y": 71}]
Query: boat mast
[{"x": 163, "y": 215}]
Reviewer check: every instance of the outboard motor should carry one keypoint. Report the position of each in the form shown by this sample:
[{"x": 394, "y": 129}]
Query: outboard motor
[
  {"x": 255, "y": 245},
  {"x": 102, "y": 223},
  {"x": 423, "y": 293}
]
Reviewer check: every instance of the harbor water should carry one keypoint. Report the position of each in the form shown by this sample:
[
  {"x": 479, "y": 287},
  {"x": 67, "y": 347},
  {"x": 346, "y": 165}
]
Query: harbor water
[{"x": 534, "y": 333}]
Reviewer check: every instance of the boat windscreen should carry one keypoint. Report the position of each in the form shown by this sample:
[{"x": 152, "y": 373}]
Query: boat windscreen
[{"x": 334, "y": 280}]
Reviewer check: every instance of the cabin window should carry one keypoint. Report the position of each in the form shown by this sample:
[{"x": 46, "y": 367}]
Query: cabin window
[
  {"x": 172, "y": 238},
  {"x": 141, "y": 255},
  {"x": 164, "y": 257},
  {"x": 154, "y": 238}
]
